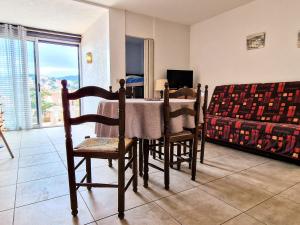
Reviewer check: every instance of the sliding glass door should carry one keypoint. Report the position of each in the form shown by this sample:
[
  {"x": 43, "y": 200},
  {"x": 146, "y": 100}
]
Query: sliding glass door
[
  {"x": 48, "y": 64},
  {"x": 56, "y": 62}
]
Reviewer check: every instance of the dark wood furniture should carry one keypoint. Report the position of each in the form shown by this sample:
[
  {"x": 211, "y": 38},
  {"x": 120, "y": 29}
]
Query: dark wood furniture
[
  {"x": 174, "y": 138},
  {"x": 102, "y": 148},
  {"x": 129, "y": 94},
  {"x": 203, "y": 125}
]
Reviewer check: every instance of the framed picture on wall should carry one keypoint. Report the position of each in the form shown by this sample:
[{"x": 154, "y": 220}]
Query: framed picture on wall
[
  {"x": 256, "y": 41},
  {"x": 299, "y": 39}
]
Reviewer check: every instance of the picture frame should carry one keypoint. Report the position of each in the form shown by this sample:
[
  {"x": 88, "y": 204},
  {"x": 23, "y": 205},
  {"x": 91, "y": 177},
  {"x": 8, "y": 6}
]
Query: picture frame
[{"x": 256, "y": 41}]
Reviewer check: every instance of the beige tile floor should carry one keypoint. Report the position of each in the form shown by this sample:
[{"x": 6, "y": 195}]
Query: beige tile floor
[{"x": 231, "y": 188}]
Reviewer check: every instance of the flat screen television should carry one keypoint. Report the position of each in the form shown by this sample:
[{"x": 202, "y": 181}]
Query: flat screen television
[{"x": 180, "y": 78}]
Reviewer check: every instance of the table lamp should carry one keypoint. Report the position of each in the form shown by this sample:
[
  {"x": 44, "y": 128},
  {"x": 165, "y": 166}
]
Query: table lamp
[{"x": 160, "y": 86}]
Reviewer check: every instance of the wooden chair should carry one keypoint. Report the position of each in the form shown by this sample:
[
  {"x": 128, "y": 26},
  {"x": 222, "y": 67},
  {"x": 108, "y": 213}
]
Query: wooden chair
[
  {"x": 187, "y": 144},
  {"x": 203, "y": 125},
  {"x": 129, "y": 94},
  {"x": 102, "y": 148},
  {"x": 171, "y": 139}
]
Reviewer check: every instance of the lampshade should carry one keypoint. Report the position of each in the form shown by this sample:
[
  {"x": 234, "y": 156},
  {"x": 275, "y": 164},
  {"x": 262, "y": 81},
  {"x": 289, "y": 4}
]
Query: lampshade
[{"x": 160, "y": 84}]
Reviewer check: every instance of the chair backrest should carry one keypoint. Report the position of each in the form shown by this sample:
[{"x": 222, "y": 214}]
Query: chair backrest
[
  {"x": 186, "y": 92},
  {"x": 128, "y": 92},
  {"x": 93, "y": 91}
]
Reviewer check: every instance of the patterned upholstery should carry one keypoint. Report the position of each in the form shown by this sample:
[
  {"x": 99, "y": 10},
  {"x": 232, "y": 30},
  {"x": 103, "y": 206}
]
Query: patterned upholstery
[
  {"x": 100, "y": 145},
  {"x": 261, "y": 116}
]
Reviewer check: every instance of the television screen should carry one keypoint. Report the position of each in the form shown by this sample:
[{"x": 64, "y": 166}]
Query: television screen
[{"x": 180, "y": 78}]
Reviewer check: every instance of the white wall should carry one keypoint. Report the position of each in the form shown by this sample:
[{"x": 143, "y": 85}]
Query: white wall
[
  {"x": 171, "y": 41},
  {"x": 218, "y": 51},
  {"x": 171, "y": 47},
  {"x": 117, "y": 46},
  {"x": 96, "y": 41}
]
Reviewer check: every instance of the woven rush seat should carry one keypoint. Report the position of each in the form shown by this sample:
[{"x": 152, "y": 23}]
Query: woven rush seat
[
  {"x": 101, "y": 145},
  {"x": 181, "y": 136}
]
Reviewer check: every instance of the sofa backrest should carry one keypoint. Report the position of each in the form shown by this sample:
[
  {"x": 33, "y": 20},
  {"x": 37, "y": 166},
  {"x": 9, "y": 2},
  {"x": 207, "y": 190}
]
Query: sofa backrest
[{"x": 269, "y": 102}]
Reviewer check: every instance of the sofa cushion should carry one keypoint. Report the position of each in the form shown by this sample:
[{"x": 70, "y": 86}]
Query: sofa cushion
[
  {"x": 267, "y": 102},
  {"x": 282, "y": 139}
]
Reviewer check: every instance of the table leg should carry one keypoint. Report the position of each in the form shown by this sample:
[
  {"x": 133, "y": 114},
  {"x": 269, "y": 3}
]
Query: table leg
[
  {"x": 141, "y": 157},
  {"x": 146, "y": 161}
]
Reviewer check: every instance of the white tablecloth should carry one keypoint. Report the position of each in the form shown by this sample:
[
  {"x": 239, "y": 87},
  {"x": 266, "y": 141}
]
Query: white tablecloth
[{"x": 144, "y": 119}]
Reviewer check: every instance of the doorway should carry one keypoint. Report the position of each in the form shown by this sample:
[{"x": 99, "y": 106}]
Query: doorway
[{"x": 135, "y": 66}]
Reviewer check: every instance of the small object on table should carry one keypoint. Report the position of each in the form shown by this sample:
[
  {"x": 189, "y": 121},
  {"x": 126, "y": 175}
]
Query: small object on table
[
  {"x": 160, "y": 86},
  {"x": 153, "y": 99}
]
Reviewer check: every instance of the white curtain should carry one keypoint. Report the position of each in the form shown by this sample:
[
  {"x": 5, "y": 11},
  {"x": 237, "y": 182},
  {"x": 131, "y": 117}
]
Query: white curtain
[{"x": 14, "y": 89}]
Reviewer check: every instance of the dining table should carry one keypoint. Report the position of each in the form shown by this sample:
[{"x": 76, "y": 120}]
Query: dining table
[{"x": 144, "y": 118}]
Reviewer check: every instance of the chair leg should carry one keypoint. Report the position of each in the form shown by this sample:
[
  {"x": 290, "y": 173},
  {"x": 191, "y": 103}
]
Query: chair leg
[
  {"x": 167, "y": 163},
  {"x": 202, "y": 146},
  {"x": 172, "y": 155},
  {"x": 146, "y": 161},
  {"x": 160, "y": 150},
  {"x": 6, "y": 144},
  {"x": 121, "y": 186},
  {"x": 134, "y": 167},
  {"x": 141, "y": 157},
  {"x": 88, "y": 171},
  {"x": 184, "y": 147},
  {"x": 72, "y": 185},
  {"x": 179, "y": 155},
  {"x": 194, "y": 158},
  {"x": 154, "y": 148},
  {"x": 129, "y": 157},
  {"x": 190, "y": 153},
  {"x": 110, "y": 163}
]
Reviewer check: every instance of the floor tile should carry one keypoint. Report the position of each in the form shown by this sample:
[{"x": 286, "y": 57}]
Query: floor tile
[
  {"x": 5, "y": 155},
  {"x": 274, "y": 176},
  {"x": 148, "y": 214},
  {"x": 292, "y": 193},
  {"x": 31, "y": 160},
  {"x": 40, "y": 190},
  {"x": 213, "y": 151},
  {"x": 243, "y": 219},
  {"x": 56, "y": 211},
  {"x": 8, "y": 177},
  {"x": 41, "y": 171},
  {"x": 8, "y": 164},
  {"x": 204, "y": 173},
  {"x": 277, "y": 211},
  {"x": 197, "y": 207},
  {"x": 236, "y": 162},
  {"x": 156, "y": 187},
  {"x": 6, "y": 217},
  {"x": 236, "y": 192},
  {"x": 34, "y": 150},
  {"x": 103, "y": 202},
  {"x": 7, "y": 197}
]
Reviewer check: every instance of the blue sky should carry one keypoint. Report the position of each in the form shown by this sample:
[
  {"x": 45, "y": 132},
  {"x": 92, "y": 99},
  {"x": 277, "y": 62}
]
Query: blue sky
[{"x": 58, "y": 60}]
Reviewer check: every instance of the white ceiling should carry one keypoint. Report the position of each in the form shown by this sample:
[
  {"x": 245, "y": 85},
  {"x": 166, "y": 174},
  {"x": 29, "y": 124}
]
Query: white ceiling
[
  {"x": 59, "y": 15},
  {"x": 180, "y": 11}
]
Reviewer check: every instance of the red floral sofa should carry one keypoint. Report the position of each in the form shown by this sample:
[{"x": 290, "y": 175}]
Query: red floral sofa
[{"x": 264, "y": 117}]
